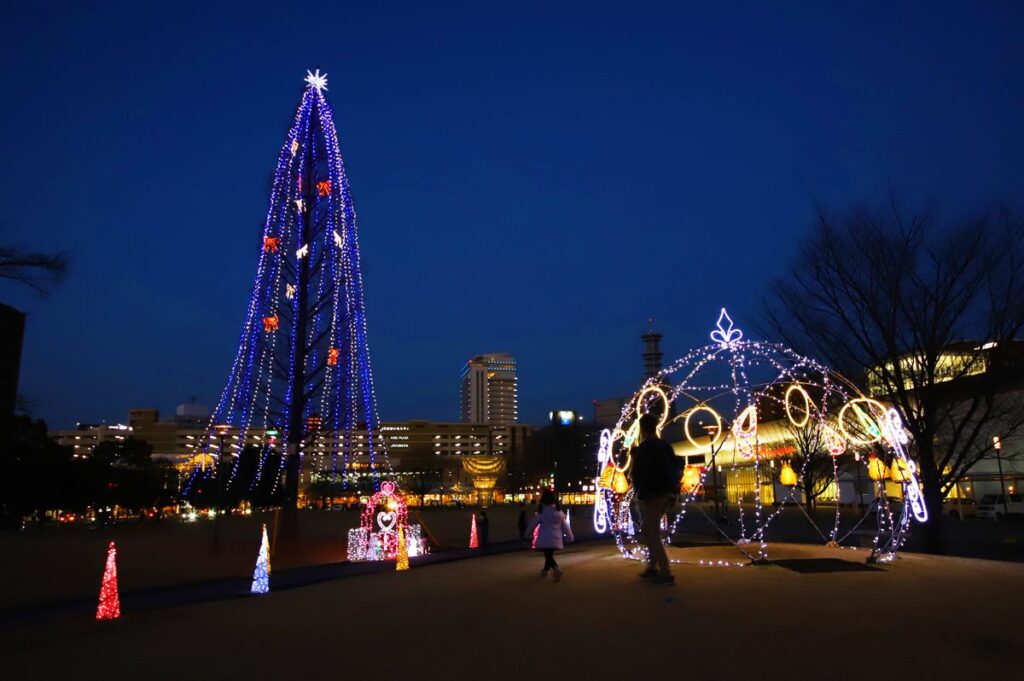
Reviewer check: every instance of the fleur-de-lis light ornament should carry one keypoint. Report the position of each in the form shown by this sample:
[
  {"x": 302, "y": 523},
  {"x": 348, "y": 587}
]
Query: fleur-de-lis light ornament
[{"x": 725, "y": 335}]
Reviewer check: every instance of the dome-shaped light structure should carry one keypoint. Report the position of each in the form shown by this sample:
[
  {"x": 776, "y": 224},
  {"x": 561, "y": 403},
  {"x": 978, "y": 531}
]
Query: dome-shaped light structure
[{"x": 747, "y": 407}]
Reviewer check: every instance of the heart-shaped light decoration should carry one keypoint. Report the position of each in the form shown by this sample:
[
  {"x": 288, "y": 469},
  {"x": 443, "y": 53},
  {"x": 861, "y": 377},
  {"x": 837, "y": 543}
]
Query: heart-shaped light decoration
[
  {"x": 386, "y": 520},
  {"x": 387, "y": 488}
]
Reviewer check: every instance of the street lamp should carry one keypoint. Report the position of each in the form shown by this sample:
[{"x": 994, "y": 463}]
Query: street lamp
[
  {"x": 222, "y": 432},
  {"x": 997, "y": 444},
  {"x": 860, "y": 496},
  {"x": 709, "y": 428}
]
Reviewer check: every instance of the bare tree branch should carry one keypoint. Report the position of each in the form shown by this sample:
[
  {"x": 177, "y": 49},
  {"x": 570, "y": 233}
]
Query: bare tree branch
[{"x": 41, "y": 272}]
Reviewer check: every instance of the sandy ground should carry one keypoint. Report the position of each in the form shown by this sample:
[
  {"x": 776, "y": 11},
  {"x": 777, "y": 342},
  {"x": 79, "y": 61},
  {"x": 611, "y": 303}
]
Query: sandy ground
[{"x": 932, "y": 617}]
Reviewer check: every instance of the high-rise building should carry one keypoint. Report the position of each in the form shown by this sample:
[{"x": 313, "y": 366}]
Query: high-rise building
[{"x": 489, "y": 391}]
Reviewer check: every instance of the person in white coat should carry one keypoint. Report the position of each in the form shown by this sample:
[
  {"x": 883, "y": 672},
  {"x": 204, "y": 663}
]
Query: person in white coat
[{"x": 552, "y": 528}]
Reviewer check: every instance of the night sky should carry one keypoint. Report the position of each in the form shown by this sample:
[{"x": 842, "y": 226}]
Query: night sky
[{"x": 529, "y": 179}]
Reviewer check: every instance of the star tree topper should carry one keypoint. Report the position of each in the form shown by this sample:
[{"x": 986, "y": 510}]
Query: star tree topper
[{"x": 316, "y": 80}]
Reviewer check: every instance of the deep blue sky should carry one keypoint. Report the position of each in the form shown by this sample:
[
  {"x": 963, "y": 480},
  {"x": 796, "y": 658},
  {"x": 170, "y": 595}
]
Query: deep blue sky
[{"x": 531, "y": 178}]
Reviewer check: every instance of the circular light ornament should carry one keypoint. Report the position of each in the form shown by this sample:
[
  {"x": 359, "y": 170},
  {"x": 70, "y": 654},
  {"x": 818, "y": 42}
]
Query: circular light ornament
[
  {"x": 641, "y": 399},
  {"x": 870, "y": 423},
  {"x": 798, "y": 389},
  {"x": 719, "y": 434},
  {"x": 618, "y": 435}
]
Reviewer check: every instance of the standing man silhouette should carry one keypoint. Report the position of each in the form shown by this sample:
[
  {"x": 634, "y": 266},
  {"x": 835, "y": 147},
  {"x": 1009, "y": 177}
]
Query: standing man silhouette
[{"x": 656, "y": 480}]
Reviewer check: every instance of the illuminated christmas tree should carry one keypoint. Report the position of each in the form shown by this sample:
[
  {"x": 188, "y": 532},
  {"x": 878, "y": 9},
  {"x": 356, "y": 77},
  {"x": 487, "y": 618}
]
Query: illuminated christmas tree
[
  {"x": 110, "y": 603},
  {"x": 474, "y": 542},
  {"x": 261, "y": 575},
  {"x": 301, "y": 382}
]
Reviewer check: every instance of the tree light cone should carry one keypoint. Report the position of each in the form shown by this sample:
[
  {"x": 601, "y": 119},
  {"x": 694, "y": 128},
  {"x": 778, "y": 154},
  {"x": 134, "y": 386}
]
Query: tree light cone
[
  {"x": 110, "y": 603},
  {"x": 261, "y": 575}
]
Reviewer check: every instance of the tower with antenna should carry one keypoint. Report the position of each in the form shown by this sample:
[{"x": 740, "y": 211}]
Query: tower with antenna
[{"x": 652, "y": 350}]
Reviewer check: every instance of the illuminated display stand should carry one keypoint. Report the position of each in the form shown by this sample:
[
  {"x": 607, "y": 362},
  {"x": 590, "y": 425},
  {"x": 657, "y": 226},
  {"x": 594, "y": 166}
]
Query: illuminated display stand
[
  {"x": 728, "y": 399},
  {"x": 377, "y": 537}
]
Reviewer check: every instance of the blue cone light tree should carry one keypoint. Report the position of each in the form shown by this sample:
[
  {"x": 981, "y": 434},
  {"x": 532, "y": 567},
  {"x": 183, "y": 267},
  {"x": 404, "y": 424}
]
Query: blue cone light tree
[
  {"x": 261, "y": 575},
  {"x": 301, "y": 382}
]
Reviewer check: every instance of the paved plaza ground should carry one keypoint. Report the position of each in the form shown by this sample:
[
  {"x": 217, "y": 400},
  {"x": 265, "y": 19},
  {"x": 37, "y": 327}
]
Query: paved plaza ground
[
  {"x": 493, "y": 617},
  {"x": 172, "y": 553}
]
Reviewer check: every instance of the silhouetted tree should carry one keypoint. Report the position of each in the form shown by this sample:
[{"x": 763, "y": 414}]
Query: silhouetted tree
[
  {"x": 419, "y": 471},
  {"x": 813, "y": 462},
  {"x": 36, "y": 471},
  {"x": 889, "y": 296}
]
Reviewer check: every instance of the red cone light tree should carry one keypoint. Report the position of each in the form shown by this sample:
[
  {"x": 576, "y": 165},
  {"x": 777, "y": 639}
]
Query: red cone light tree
[{"x": 110, "y": 604}]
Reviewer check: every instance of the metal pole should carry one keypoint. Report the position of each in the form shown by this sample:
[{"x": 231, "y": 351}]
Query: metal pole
[
  {"x": 1002, "y": 484},
  {"x": 220, "y": 495},
  {"x": 714, "y": 466},
  {"x": 860, "y": 498}
]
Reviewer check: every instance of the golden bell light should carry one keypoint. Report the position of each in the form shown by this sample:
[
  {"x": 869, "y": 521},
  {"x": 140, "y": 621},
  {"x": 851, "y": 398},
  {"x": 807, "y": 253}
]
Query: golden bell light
[
  {"x": 691, "y": 478},
  {"x": 898, "y": 471},
  {"x": 787, "y": 476},
  {"x": 877, "y": 469}
]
